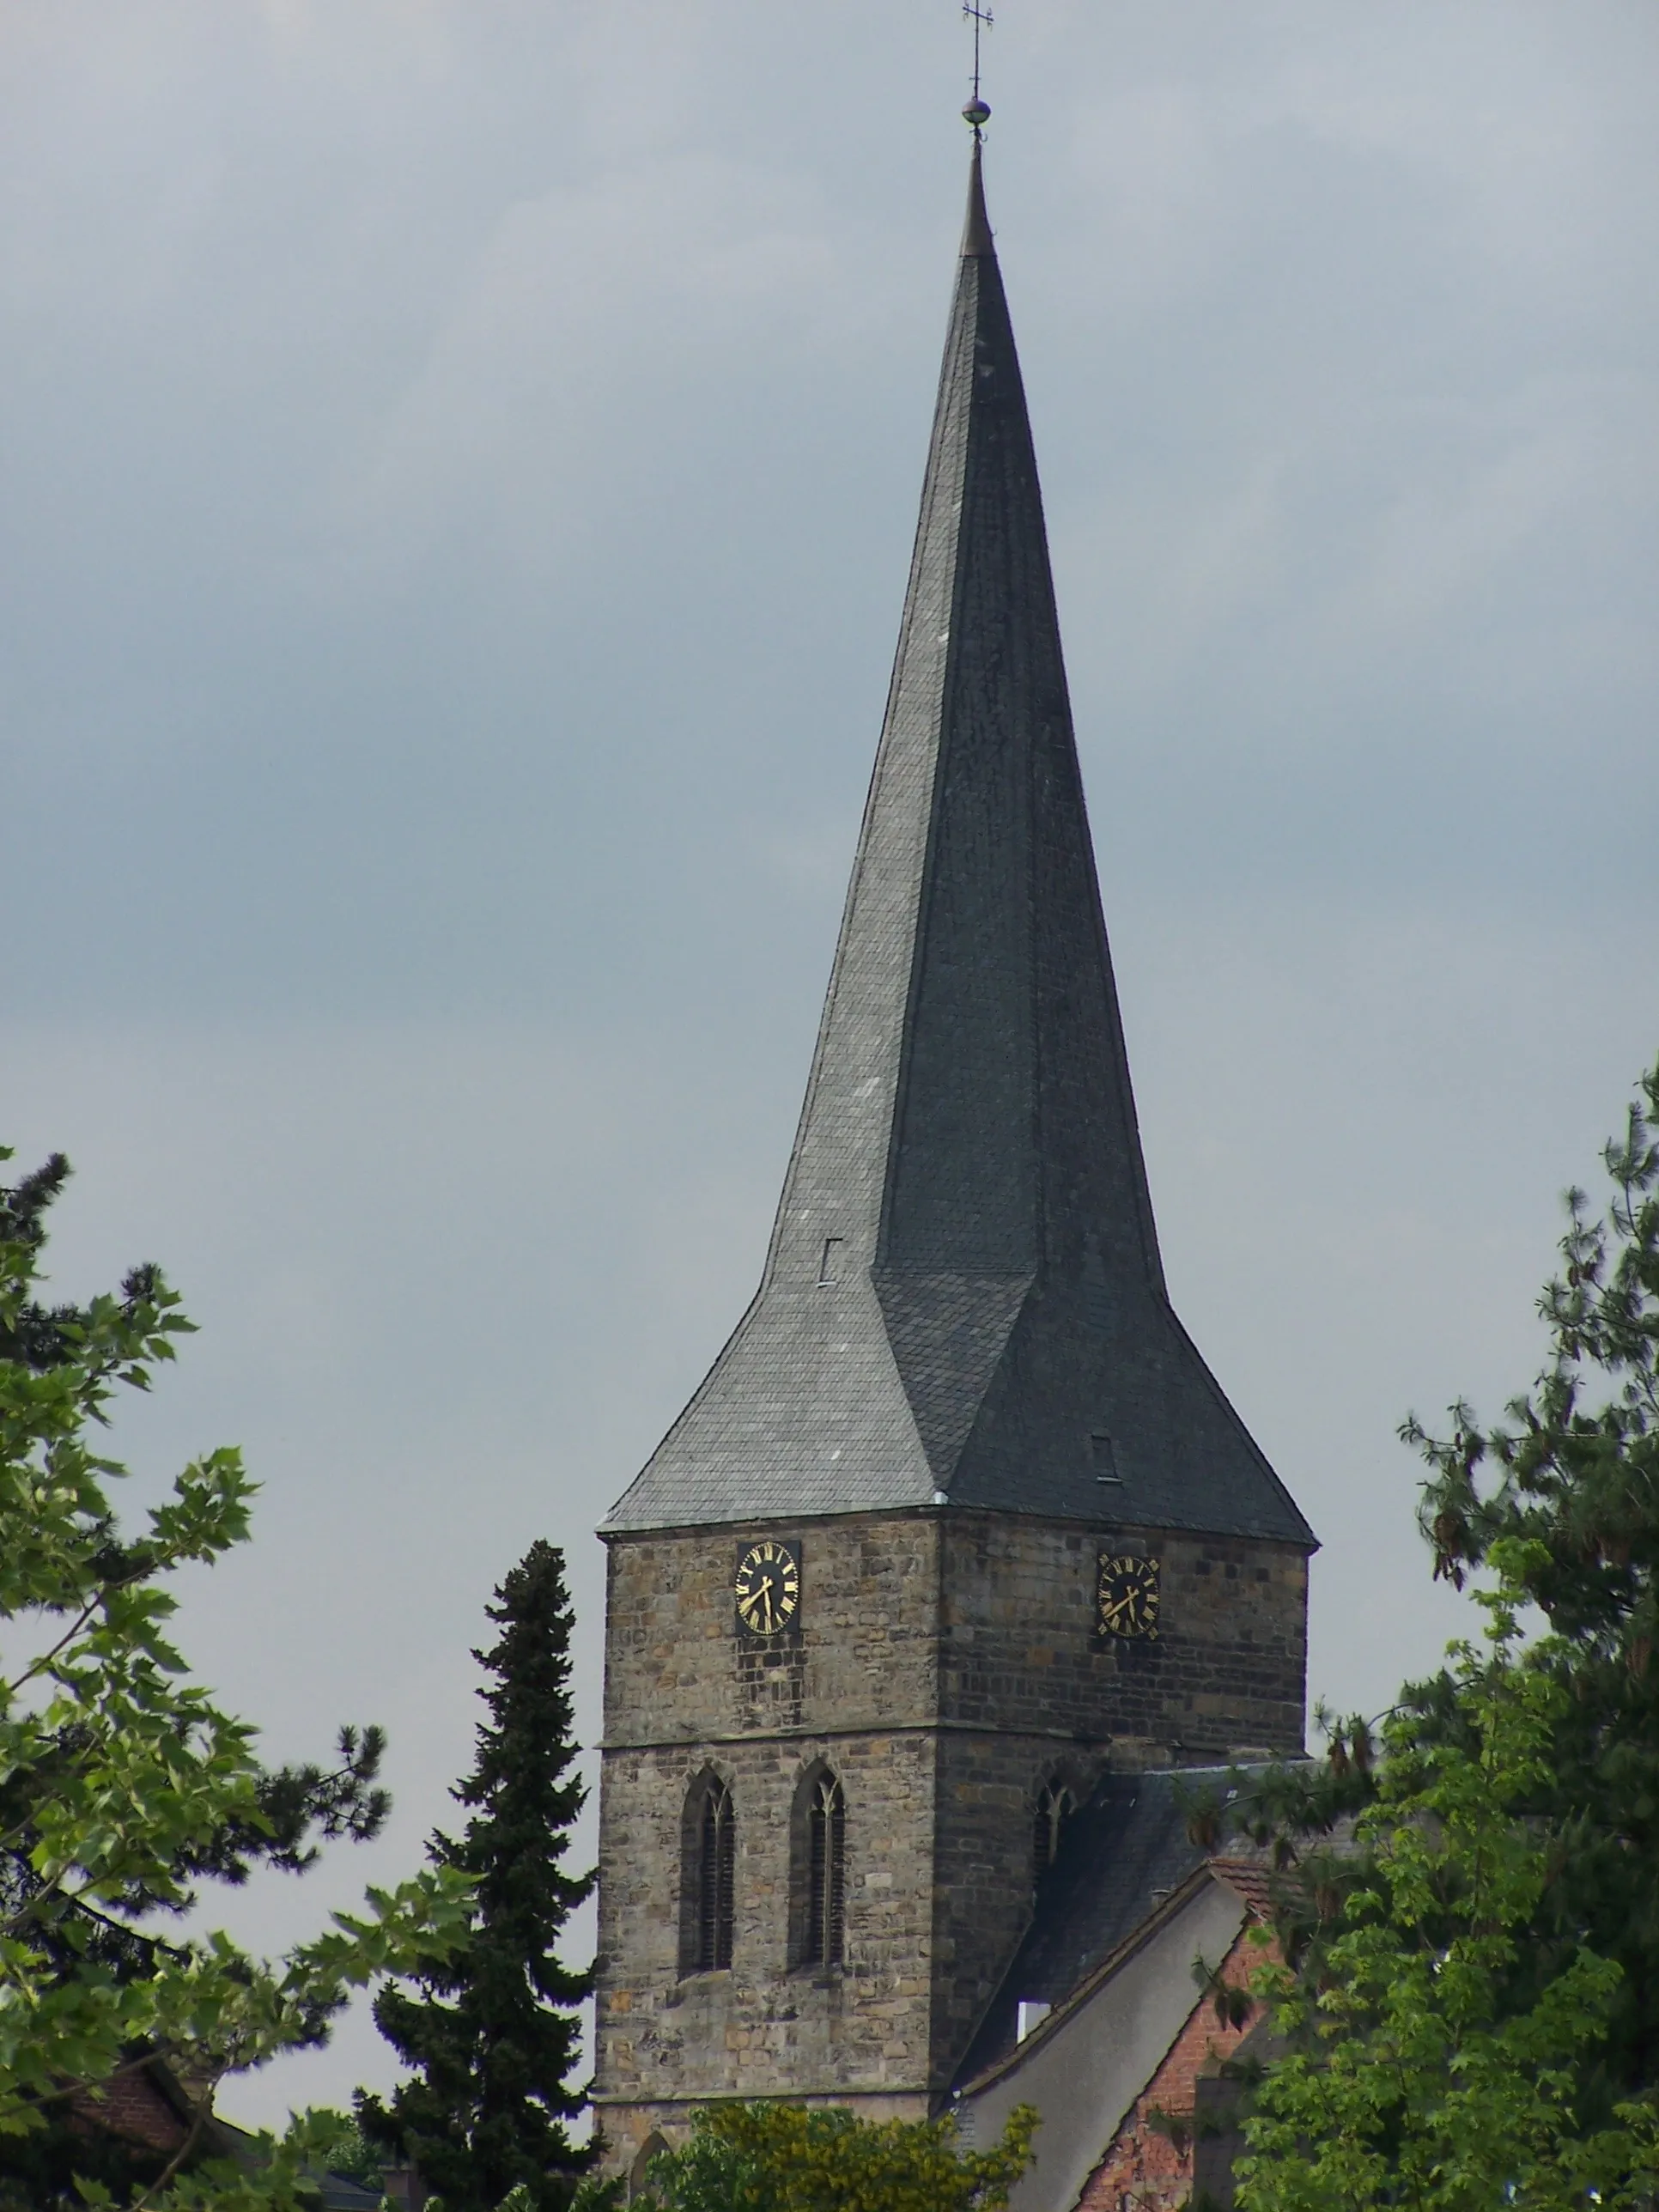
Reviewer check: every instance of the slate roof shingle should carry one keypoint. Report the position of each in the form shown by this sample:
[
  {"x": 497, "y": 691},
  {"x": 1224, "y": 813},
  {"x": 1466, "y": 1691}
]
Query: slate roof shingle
[{"x": 968, "y": 1152}]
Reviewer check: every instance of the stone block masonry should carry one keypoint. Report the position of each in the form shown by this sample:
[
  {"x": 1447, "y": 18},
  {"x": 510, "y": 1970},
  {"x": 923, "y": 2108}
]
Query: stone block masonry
[{"x": 944, "y": 1665}]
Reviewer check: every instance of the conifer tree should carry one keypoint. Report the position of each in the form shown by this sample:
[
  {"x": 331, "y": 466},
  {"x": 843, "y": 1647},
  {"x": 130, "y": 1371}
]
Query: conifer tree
[
  {"x": 1570, "y": 1482},
  {"x": 1559, "y": 1503},
  {"x": 490, "y": 2030}
]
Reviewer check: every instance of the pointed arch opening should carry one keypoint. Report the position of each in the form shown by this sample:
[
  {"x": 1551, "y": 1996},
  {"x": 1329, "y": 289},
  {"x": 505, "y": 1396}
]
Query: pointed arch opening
[
  {"x": 818, "y": 1893},
  {"x": 1055, "y": 1804},
  {"x": 708, "y": 1863},
  {"x": 639, "y": 2174}
]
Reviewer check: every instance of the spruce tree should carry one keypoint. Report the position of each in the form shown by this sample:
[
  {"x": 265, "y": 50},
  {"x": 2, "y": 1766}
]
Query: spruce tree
[{"x": 490, "y": 2030}]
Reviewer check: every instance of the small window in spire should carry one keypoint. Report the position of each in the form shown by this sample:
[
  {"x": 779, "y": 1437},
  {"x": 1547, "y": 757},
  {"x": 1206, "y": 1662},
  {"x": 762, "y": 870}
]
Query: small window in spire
[
  {"x": 1102, "y": 1457},
  {"x": 829, "y": 1265}
]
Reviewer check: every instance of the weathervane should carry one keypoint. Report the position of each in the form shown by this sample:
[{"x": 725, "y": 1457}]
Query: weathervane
[{"x": 976, "y": 112}]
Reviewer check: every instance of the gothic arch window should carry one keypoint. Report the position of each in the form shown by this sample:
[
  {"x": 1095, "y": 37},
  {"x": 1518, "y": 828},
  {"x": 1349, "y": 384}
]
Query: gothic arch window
[
  {"x": 639, "y": 2173},
  {"x": 818, "y": 1892},
  {"x": 707, "y": 1876},
  {"x": 1054, "y": 1806}
]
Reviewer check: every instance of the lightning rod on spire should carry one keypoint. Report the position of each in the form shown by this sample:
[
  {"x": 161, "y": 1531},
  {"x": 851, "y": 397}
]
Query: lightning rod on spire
[{"x": 976, "y": 114}]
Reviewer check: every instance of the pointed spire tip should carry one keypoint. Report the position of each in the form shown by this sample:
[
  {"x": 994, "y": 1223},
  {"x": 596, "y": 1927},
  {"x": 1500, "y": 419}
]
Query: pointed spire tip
[{"x": 976, "y": 231}]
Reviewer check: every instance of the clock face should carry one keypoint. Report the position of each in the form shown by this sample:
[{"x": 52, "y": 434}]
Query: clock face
[
  {"x": 767, "y": 1587},
  {"x": 1129, "y": 1596}
]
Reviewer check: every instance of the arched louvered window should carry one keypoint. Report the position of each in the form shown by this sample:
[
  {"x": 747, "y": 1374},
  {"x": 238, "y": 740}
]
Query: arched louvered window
[
  {"x": 709, "y": 1878},
  {"x": 826, "y": 1872},
  {"x": 719, "y": 1872},
  {"x": 1054, "y": 1807}
]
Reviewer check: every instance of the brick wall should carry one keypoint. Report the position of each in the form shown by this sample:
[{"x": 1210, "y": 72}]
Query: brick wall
[
  {"x": 133, "y": 2107},
  {"x": 1144, "y": 2170}
]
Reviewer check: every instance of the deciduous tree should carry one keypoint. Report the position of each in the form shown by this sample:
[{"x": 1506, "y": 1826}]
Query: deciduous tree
[
  {"x": 121, "y": 1783},
  {"x": 1536, "y": 1996},
  {"x": 790, "y": 2158},
  {"x": 1425, "y": 2064}
]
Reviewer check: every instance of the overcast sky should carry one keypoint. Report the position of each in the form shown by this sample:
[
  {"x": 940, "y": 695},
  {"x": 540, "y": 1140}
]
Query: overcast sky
[{"x": 460, "y": 465}]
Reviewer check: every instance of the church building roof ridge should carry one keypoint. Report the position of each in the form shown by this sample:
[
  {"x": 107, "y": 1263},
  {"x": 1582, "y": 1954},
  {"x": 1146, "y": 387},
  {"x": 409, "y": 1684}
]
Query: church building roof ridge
[{"x": 963, "y": 1301}]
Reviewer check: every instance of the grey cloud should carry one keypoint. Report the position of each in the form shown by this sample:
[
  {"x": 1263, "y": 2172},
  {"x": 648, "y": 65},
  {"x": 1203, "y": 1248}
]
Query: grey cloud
[{"x": 460, "y": 467}]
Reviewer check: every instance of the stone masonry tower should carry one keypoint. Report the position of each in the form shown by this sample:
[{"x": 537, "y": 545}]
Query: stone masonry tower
[{"x": 959, "y": 1518}]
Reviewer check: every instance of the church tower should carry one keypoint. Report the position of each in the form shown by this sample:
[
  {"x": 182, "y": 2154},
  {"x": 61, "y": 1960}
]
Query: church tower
[{"x": 960, "y": 1520}]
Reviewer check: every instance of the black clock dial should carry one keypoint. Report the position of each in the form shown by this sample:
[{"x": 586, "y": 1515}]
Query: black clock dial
[
  {"x": 1128, "y": 1604},
  {"x": 767, "y": 1587}
]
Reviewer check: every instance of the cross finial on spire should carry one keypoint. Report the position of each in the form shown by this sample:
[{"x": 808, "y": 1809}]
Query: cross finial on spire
[{"x": 976, "y": 114}]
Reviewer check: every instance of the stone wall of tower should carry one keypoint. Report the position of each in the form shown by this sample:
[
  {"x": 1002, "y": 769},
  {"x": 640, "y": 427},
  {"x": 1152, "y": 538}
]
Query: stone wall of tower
[
  {"x": 945, "y": 1668},
  {"x": 859, "y": 1689},
  {"x": 1018, "y": 1648},
  {"x": 1029, "y": 1695}
]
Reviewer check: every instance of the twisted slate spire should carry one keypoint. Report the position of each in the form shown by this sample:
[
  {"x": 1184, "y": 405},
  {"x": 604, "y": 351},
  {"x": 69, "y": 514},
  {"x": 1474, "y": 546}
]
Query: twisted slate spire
[{"x": 962, "y": 1302}]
